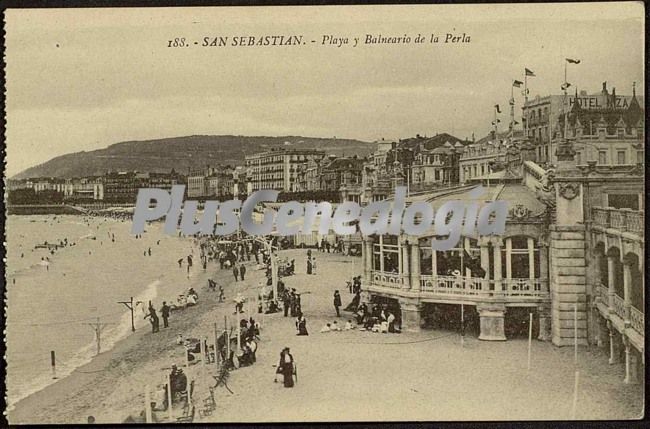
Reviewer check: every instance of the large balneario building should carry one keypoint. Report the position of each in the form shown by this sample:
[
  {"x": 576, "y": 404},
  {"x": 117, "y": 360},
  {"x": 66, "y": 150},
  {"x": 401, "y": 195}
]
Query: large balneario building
[{"x": 572, "y": 251}]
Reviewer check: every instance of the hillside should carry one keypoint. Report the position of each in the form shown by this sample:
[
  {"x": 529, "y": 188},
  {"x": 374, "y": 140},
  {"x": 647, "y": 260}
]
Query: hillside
[{"x": 182, "y": 153}]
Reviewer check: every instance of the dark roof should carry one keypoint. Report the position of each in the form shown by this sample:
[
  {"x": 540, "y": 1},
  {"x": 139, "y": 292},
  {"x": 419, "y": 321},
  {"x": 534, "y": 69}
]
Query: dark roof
[{"x": 345, "y": 164}]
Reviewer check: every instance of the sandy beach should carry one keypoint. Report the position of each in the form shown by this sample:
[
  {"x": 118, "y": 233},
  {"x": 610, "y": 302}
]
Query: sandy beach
[{"x": 343, "y": 376}]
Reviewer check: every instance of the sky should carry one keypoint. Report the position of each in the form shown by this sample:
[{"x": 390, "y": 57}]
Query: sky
[{"x": 83, "y": 79}]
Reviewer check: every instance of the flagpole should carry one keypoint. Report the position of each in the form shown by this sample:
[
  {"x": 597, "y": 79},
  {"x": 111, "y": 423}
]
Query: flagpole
[
  {"x": 564, "y": 102},
  {"x": 524, "y": 119},
  {"x": 512, "y": 112}
]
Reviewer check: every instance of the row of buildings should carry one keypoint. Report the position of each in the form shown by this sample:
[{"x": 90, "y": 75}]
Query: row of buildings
[{"x": 607, "y": 128}]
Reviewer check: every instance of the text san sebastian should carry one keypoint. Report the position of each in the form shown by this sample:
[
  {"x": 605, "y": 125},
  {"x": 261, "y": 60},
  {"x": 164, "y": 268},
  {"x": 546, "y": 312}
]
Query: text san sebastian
[{"x": 276, "y": 40}]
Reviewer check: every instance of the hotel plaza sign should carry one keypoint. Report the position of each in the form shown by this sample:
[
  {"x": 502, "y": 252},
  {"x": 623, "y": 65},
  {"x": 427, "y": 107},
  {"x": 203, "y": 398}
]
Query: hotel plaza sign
[{"x": 600, "y": 102}]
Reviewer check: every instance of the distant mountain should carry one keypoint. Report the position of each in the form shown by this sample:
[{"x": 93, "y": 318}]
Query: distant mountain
[{"x": 182, "y": 153}]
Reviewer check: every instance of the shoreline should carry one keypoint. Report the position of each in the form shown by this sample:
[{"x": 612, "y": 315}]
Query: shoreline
[
  {"x": 66, "y": 400},
  {"x": 26, "y": 381}
]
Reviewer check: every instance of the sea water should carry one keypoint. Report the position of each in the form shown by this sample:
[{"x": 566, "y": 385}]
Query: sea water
[{"x": 51, "y": 304}]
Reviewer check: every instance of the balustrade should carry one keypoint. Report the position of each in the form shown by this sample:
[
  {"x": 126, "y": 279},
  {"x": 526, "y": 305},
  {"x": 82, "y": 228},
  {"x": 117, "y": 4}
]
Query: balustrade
[
  {"x": 637, "y": 320},
  {"x": 617, "y": 219},
  {"x": 601, "y": 216},
  {"x": 619, "y": 306},
  {"x": 603, "y": 293},
  {"x": 465, "y": 286},
  {"x": 622, "y": 219},
  {"x": 634, "y": 221},
  {"x": 390, "y": 280}
]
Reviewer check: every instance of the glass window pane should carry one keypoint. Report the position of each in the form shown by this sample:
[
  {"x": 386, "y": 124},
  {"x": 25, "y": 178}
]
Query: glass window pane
[
  {"x": 519, "y": 242},
  {"x": 391, "y": 262},
  {"x": 425, "y": 260},
  {"x": 520, "y": 265}
]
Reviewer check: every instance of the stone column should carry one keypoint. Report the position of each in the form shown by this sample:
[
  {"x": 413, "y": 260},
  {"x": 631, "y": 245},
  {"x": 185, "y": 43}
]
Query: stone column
[
  {"x": 603, "y": 333},
  {"x": 405, "y": 274},
  {"x": 411, "y": 314},
  {"x": 627, "y": 292},
  {"x": 543, "y": 266},
  {"x": 485, "y": 264},
  {"x": 508, "y": 259},
  {"x": 531, "y": 258},
  {"x": 415, "y": 265},
  {"x": 614, "y": 345},
  {"x": 492, "y": 317},
  {"x": 498, "y": 286},
  {"x": 434, "y": 263},
  {"x": 611, "y": 279},
  {"x": 544, "y": 315},
  {"x": 631, "y": 363},
  {"x": 367, "y": 261}
]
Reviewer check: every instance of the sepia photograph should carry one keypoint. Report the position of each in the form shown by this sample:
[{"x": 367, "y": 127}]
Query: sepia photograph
[{"x": 279, "y": 214}]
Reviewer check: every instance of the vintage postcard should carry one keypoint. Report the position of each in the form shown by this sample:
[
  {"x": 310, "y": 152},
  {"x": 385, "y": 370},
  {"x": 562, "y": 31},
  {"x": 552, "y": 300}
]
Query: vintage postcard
[{"x": 325, "y": 213}]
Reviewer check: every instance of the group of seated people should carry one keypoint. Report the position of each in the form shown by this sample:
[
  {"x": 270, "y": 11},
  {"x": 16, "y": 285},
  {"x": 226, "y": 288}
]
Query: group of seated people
[
  {"x": 187, "y": 300},
  {"x": 334, "y": 327},
  {"x": 248, "y": 331},
  {"x": 380, "y": 319}
]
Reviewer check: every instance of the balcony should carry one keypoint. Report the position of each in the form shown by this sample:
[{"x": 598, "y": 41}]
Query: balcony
[
  {"x": 466, "y": 288},
  {"x": 637, "y": 317},
  {"x": 625, "y": 220}
]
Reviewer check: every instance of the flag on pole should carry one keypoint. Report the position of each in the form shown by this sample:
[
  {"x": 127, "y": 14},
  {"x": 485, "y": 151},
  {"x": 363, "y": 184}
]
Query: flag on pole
[
  {"x": 496, "y": 106},
  {"x": 529, "y": 72},
  {"x": 572, "y": 61},
  {"x": 517, "y": 83},
  {"x": 565, "y": 85}
]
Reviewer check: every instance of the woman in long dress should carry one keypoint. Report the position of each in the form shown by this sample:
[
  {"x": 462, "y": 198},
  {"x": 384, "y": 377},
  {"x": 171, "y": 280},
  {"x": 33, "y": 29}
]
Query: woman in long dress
[
  {"x": 354, "y": 305},
  {"x": 285, "y": 367},
  {"x": 301, "y": 325},
  {"x": 308, "y": 265}
]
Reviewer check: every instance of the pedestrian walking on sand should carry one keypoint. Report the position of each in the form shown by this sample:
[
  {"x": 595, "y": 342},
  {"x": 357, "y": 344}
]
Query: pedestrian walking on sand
[
  {"x": 164, "y": 312},
  {"x": 301, "y": 325},
  {"x": 155, "y": 322},
  {"x": 242, "y": 271},
  {"x": 235, "y": 272},
  {"x": 286, "y": 367},
  {"x": 286, "y": 302},
  {"x": 337, "y": 302}
]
